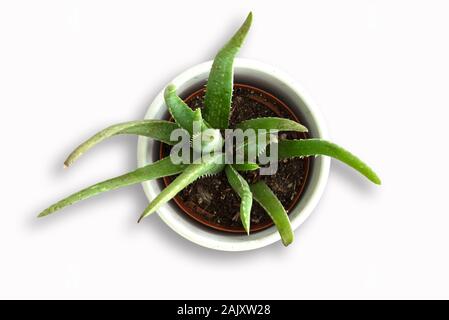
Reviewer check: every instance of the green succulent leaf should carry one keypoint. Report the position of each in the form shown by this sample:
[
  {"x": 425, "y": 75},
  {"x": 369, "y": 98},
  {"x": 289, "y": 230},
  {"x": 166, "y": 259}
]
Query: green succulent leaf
[
  {"x": 249, "y": 166},
  {"x": 189, "y": 175},
  {"x": 155, "y": 170},
  {"x": 217, "y": 102},
  {"x": 180, "y": 111},
  {"x": 197, "y": 115},
  {"x": 257, "y": 148},
  {"x": 312, "y": 147},
  {"x": 241, "y": 187},
  {"x": 272, "y": 123},
  {"x": 268, "y": 200},
  {"x": 156, "y": 129}
]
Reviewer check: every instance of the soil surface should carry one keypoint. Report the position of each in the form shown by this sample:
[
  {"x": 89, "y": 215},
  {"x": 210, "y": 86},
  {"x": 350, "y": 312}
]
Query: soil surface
[{"x": 211, "y": 200}]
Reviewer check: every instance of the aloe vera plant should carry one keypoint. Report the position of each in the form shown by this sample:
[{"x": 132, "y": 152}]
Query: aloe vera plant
[{"x": 214, "y": 116}]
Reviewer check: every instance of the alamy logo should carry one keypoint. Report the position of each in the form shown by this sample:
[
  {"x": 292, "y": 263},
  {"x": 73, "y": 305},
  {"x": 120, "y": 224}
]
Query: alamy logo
[{"x": 237, "y": 147}]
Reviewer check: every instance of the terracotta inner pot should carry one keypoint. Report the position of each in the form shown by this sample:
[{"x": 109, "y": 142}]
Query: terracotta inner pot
[{"x": 277, "y": 107}]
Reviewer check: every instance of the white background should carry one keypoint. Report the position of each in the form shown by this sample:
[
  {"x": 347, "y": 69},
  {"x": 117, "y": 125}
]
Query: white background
[{"x": 379, "y": 70}]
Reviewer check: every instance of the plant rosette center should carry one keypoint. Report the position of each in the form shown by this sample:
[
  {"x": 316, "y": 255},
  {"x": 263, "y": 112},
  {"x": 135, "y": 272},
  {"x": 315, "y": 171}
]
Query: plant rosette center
[
  {"x": 239, "y": 147},
  {"x": 207, "y": 141}
]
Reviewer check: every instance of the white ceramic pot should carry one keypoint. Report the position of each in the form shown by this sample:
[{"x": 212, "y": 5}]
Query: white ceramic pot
[{"x": 272, "y": 80}]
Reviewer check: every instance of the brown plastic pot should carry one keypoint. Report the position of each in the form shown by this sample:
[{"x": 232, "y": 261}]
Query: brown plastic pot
[{"x": 198, "y": 212}]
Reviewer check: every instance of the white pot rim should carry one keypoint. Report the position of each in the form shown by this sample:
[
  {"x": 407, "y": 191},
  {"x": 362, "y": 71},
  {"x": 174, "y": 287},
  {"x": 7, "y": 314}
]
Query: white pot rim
[{"x": 207, "y": 237}]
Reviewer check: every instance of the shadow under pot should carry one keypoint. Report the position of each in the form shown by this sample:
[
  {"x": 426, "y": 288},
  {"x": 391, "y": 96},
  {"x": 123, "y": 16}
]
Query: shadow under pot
[{"x": 211, "y": 201}]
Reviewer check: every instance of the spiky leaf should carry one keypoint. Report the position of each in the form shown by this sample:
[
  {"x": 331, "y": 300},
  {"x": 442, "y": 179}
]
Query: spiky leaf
[
  {"x": 189, "y": 175},
  {"x": 312, "y": 147},
  {"x": 268, "y": 200},
  {"x": 251, "y": 149},
  {"x": 272, "y": 123},
  {"x": 197, "y": 115},
  {"x": 155, "y": 170},
  {"x": 156, "y": 129},
  {"x": 241, "y": 187},
  {"x": 180, "y": 111},
  {"x": 249, "y": 166},
  {"x": 217, "y": 102}
]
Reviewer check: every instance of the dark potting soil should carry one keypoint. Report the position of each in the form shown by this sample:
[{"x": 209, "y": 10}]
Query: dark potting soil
[{"x": 212, "y": 201}]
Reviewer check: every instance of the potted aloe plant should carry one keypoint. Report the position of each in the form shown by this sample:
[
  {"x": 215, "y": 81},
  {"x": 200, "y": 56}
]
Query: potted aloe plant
[{"x": 221, "y": 201}]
